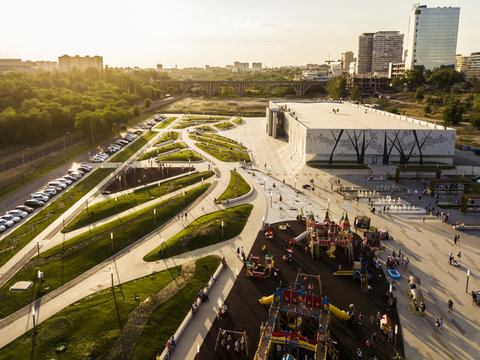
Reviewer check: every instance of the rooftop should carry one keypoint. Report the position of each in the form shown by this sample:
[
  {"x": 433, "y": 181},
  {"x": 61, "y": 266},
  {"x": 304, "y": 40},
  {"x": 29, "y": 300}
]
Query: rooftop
[{"x": 320, "y": 115}]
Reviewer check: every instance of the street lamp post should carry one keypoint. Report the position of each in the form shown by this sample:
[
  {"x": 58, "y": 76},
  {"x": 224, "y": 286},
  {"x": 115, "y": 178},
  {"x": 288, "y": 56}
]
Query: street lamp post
[
  {"x": 64, "y": 145},
  {"x": 395, "y": 341},
  {"x": 328, "y": 208},
  {"x": 264, "y": 183},
  {"x": 468, "y": 277},
  {"x": 116, "y": 203},
  {"x": 155, "y": 216},
  {"x": 111, "y": 238},
  {"x": 38, "y": 248},
  {"x": 162, "y": 242},
  {"x": 222, "y": 229},
  {"x": 33, "y": 318},
  {"x": 40, "y": 277},
  {"x": 271, "y": 199}
]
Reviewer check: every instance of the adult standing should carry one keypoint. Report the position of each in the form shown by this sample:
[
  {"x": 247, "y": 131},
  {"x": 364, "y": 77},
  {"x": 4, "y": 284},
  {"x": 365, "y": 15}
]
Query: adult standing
[
  {"x": 450, "y": 305},
  {"x": 359, "y": 353}
]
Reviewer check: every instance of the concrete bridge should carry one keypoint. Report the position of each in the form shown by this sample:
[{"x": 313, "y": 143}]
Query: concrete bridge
[{"x": 240, "y": 86}]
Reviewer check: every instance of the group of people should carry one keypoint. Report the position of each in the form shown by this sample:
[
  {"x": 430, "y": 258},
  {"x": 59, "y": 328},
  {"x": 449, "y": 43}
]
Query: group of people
[
  {"x": 228, "y": 342},
  {"x": 453, "y": 261},
  {"x": 397, "y": 259}
]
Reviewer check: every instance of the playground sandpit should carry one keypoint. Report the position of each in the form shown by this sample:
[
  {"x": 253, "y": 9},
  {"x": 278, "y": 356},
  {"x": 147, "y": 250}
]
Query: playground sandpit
[
  {"x": 132, "y": 177},
  {"x": 246, "y": 314}
]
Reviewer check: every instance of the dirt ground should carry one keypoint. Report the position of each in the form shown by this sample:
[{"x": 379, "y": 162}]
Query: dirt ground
[
  {"x": 133, "y": 177},
  {"x": 246, "y": 314},
  {"x": 245, "y": 106}
]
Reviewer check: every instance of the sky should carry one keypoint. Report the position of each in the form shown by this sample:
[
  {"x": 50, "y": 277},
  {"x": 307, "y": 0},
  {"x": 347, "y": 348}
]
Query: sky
[{"x": 187, "y": 33}]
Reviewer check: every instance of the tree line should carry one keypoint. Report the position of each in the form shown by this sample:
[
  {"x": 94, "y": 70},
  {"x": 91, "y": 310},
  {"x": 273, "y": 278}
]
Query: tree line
[{"x": 35, "y": 108}]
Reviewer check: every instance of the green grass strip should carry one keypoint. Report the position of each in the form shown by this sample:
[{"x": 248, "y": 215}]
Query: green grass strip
[
  {"x": 161, "y": 150},
  {"x": 224, "y": 125},
  {"x": 213, "y": 142},
  {"x": 166, "y": 122},
  {"x": 203, "y": 118},
  {"x": 204, "y": 231},
  {"x": 89, "y": 249},
  {"x": 167, "y": 317},
  {"x": 224, "y": 154},
  {"x": 15, "y": 241},
  {"x": 222, "y": 138},
  {"x": 126, "y": 153},
  {"x": 236, "y": 187},
  {"x": 171, "y": 135},
  {"x": 238, "y": 121},
  {"x": 184, "y": 155},
  {"x": 89, "y": 327},
  {"x": 205, "y": 128},
  {"x": 110, "y": 207}
]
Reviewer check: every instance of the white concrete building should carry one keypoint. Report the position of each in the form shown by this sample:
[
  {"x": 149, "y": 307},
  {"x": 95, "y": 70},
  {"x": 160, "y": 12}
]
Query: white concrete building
[{"x": 330, "y": 132}]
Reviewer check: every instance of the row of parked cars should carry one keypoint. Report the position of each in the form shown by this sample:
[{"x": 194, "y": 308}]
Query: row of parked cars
[
  {"x": 39, "y": 199},
  {"x": 113, "y": 148}
]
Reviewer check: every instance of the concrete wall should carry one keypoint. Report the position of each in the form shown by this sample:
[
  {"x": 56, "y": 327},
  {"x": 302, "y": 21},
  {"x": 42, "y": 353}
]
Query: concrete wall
[{"x": 297, "y": 135}]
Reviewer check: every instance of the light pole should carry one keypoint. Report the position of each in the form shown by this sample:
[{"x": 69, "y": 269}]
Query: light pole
[
  {"x": 154, "y": 216},
  {"x": 162, "y": 243},
  {"x": 111, "y": 238},
  {"x": 23, "y": 162},
  {"x": 395, "y": 341},
  {"x": 295, "y": 183},
  {"x": 40, "y": 277},
  {"x": 116, "y": 203},
  {"x": 271, "y": 199},
  {"x": 38, "y": 248},
  {"x": 64, "y": 145},
  {"x": 183, "y": 196},
  {"x": 33, "y": 318},
  {"x": 264, "y": 183},
  {"x": 222, "y": 229},
  {"x": 468, "y": 277},
  {"x": 328, "y": 208}
]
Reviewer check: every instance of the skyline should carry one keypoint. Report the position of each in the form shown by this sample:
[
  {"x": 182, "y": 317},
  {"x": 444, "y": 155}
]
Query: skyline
[{"x": 212, "y": 32}]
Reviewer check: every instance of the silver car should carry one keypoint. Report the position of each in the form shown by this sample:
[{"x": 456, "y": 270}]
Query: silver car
[
  {"x": 15, "y": 219},
  {"x": 16, "y": 212},
  {"x": 39, "y": 197},
  {"x": 50, "y": 192},
  {"x": 6, "y": 223},
  {"x": 2, "y": 228}
]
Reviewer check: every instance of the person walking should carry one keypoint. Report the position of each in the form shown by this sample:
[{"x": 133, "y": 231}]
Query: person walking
[
  {"x": 450, "y": 305},
  {"x": 238, "y": 252},
  {"x": 441, "y": 324},
  {"x": 243, "y": 252},
  {"x": 359, "y": 353},
  {"x": 370, "y": 290},
  {"x": 455, "y": 240}
]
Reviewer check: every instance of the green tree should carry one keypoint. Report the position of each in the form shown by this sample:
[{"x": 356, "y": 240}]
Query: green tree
[
  {"x": 453, "y": 113},
  {"x": 336, "y": 87},
  {"x": 355, "y": 93},
  {"x": 446, "y": 78},
  {"x": 427, "y": 109},
  {"x": 419, "y": 94},
  {"x": 475, "y": 120},
  {"x": 135, "y": 111},
  {"x": 414, "y": 78},
  {"x": 147, "y": 103}
]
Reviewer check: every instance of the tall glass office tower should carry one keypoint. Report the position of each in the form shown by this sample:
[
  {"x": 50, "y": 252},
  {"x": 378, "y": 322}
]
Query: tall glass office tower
[{"x": 432, "y": 37}]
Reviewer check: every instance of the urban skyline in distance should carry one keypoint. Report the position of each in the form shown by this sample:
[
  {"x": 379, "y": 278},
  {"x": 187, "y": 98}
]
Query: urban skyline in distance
[{"x": 189, "y": 33}]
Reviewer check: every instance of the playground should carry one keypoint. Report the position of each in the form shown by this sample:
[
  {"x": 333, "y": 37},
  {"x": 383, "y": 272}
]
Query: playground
[{"x": 246, "y": 314}]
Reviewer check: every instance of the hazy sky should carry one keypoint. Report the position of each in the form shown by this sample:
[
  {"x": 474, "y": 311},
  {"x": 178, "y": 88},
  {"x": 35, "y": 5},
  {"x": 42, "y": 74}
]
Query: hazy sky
[{"x": 215, "y": 32}]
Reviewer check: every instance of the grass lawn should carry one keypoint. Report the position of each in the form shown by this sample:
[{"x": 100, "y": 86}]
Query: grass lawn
[
  {"x": 90, "y": 326},
  {"x": 216, "y": 142},
  {"x": 14, "y": 242},
  {"x": 184, "y": 155},
  {"x": 126, "y": 153},
  {"x": 171, "y": 135},
  {"x": 167, "y": 317},
  {"x": 107, "y": 208},
  {"x": 205, "y": 128},
  {"x": 166, "y": 122},
  {"x": 89, "y": 249},
  {"x": 224, "y": 154},
  {"x": 237, "y": 187},
  {"x": 238, "y": 121},
  {"x": 203, "y": 118},
  {"x": 204, "y": 231},
  {"x": 161, "y": 150},
  {"x": 223, "y": 139},
  {"x": 224, "y": 125}
]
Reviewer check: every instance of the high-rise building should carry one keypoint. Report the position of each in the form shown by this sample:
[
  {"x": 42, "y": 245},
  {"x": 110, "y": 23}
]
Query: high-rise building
[
  {"x": 365, "y": 49},
  {"x": 240, "y": 66},
  {"x": 387, "y": 48},
  {"x": 432, "y": 37},
  {"x": 469, "y": 65},
  {"x": 346, "y": 60},
  {"x": 257, "y": 66},
  {"x": 377, "y": 50},
  {"x": 68, "y": 63},
  {"x": 159, "y": 67}
]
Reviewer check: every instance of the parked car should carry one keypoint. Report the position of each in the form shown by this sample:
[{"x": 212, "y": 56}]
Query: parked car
[
  {"x": 57, "y": 184},
  {"x": 85, "y": 168},
  {"x": 27, "y": 209},
  {"x": 6, "y": 223},
  {"x": 32, "y": 203},
  {"x": 39, "y": 197},
  {"x": 64, "y": 181},
  {"x": 2, "y": 228},
  {"x": 16, "y": 212},
  {"x": 75, "y": 172},
  {"x": 50, "y": 192},
  {"x": 56, "y": 188},
  {"x": 73, "y": 178},
  {"x": 15, "y": 219}
]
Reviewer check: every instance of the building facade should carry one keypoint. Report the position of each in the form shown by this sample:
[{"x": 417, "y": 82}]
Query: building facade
[
  {"x": 81, "y": 63},
  {"x": 365, "y": 50},
  {"x": 256, "y": 66},
  {"x": 357, "y": 134},
  {"x": 387, "y": 48},
  {"x": 469, "y": 65},
  {"x": 240, "y": 66},
  {"x": 432, "y": 37}
]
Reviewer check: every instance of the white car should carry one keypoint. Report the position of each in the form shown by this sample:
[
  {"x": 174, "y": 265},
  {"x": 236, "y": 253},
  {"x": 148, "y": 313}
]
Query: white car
[
  {"x": 15, "y": 219},
  {"x": 2, "y": 228},
  {"x": 64, "y": 181},
  {"x": 6, "y": 223},
  {"x": 39, "y": 197},
  {"x": 50, "y": 192},
  {"x": 19, "y": 213},
  {"x": 57, "y": 184},
  {"x": 75, "y": 172}
]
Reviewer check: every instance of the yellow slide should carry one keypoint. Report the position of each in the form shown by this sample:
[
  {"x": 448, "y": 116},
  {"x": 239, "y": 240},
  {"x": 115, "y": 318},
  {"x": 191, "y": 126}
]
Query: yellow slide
[
  {"x": 330, "y": 252},
  {"x": 266, "y": 300},
  {"x": 343, "y": 273},
  {"x": 339, "y": 314}
]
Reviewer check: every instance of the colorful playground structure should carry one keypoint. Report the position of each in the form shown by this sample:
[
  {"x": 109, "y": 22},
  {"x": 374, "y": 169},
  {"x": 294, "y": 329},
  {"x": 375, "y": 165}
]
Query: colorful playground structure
[
  {"x": 298, "y": 321},
  {"x": 260, "y": 271}
]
